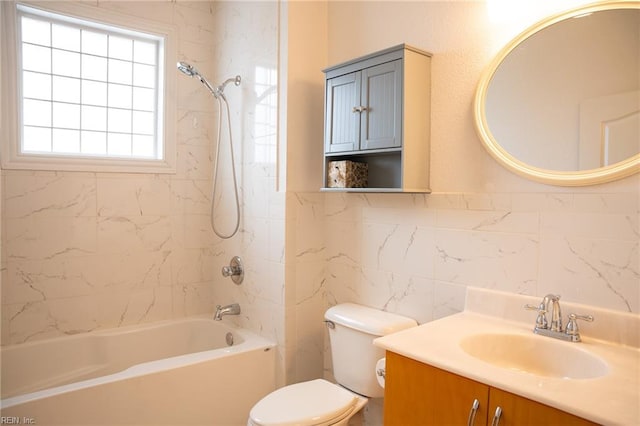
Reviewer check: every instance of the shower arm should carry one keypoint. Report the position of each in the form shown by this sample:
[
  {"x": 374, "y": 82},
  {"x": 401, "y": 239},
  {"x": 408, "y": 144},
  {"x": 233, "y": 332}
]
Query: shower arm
[
  {"x": 219, "y": 91},
  {"x": 235, "y": 80}
]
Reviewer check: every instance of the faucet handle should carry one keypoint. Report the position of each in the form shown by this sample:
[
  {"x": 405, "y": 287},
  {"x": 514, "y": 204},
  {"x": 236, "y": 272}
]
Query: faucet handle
[
  {"x": 572, "y": 326},
  {"x": 541, "y": 320},
  {"x": 539, "y": 308},
  {"x": 235, "y": 270}
]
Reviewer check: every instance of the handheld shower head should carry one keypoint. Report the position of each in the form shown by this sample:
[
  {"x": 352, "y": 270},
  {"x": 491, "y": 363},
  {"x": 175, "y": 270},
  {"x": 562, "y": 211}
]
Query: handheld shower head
[
  {"x": 218, "y": 91},
  {"x": 191, "y": 71},
  {"x": 187, "y": 69}
]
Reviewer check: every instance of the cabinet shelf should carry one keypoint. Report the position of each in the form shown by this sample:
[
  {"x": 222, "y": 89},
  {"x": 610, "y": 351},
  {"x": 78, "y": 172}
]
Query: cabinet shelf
[
  {"x": 377, "y": 111},
  {"x": 372, "y": 190}
]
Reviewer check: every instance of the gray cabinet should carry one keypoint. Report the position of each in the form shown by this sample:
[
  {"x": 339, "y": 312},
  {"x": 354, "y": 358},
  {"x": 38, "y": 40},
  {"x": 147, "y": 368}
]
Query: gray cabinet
[
  {"x": 364, "y": 109},
  {"x": 377, "y": 111},
  {"x": 342, "y": 127}
]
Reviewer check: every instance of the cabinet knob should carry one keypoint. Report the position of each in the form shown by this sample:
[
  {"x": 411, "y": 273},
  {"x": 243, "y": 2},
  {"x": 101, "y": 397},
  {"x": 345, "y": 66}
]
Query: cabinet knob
[{"x": 359, "y": 108}]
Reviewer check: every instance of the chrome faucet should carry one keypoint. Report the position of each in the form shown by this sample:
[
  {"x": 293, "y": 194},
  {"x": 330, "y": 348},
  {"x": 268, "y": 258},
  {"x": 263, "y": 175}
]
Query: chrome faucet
[
  {"x": 571, "y": 333},
  {"x": 233, "y": 309},
  {"x": 556, "y": 312}
]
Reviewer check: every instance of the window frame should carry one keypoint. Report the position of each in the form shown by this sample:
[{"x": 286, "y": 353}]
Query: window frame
[{"x": 11, "y": 97}]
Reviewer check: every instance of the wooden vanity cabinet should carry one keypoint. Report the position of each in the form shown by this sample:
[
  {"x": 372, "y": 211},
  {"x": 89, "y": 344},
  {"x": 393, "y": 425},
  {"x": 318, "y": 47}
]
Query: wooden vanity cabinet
[
  {"x": 517, "y": 410},
  {"x": 420, "y": 394}
]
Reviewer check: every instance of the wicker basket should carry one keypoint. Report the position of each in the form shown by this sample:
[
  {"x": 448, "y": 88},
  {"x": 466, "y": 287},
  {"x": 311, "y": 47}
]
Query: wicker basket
[{"x": 347, "y": 174}]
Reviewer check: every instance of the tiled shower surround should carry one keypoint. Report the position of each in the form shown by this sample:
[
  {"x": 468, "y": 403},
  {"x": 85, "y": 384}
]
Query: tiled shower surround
[{"x": 82, "y": 251}]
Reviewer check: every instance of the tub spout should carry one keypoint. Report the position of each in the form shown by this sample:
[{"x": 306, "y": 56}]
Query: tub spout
[{"x": 233, "y": 309}]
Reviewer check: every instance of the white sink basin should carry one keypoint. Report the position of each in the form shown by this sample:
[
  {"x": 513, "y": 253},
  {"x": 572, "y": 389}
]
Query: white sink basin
[
  {"x": 492, "y": 342},
  {"x": 533, "y": 354}
]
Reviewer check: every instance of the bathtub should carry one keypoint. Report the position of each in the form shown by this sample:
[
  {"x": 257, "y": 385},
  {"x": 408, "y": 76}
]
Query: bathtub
[{"x": 179, "y": 372}]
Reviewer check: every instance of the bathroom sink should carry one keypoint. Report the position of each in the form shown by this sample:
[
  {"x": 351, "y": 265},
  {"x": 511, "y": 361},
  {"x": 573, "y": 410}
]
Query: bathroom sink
[{"x": 533, "y": 354}]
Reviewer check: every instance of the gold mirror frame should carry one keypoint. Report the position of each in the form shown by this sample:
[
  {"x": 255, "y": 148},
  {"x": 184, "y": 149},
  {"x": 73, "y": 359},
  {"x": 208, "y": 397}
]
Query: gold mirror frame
[{"x": 561, "y": 178}]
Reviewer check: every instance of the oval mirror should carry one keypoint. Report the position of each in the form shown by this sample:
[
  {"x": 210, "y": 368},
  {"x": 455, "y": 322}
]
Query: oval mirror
[{"x": 560, "y": 104}]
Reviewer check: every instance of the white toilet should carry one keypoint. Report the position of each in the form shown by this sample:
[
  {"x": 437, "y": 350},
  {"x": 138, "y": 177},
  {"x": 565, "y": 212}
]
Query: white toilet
[{"x": 352, "y": 329}]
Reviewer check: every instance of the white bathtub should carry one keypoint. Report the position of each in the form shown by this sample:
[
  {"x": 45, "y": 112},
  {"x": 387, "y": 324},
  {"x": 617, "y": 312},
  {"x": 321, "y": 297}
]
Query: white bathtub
[{"x": 179, "y": 372}]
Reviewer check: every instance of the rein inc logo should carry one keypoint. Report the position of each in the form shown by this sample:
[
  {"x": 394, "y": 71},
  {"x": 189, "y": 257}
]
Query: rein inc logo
[{"x": 15, "y": 420}]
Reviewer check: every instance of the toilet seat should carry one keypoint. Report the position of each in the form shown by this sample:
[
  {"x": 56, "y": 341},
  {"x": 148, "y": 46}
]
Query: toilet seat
[{"x": 313, "y": 403}]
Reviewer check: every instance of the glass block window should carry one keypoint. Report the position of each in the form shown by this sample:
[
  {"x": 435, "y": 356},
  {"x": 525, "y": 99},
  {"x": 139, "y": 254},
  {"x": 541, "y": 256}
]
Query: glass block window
[{"x": 88, "y": 89}]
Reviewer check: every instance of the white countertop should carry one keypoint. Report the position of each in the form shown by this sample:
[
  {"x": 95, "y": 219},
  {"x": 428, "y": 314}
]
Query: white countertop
[{"x": 613, "y": 398}]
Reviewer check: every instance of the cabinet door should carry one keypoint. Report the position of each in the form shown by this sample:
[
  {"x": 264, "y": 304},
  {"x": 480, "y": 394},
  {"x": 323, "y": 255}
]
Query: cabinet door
[
  {"x": 418, "y": 394},
  {"x": 381, "y": 121},
  {"x": 517, "y": 411},
  {"x": 342, "y": 123}
]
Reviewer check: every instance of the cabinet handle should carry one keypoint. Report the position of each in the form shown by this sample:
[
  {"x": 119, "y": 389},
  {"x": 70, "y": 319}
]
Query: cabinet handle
[
  {"x": 359, "y": 109},
  {"x": 496, "y": 417},
  {"x": 472, "y": 413}
]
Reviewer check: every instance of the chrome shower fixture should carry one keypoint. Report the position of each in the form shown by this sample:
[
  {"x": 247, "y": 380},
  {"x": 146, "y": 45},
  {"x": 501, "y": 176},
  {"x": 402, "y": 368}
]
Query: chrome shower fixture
[
  {"x": 235, "y": 270},
  {"x": 187, "y": 69},
  {"x": 217, "y": 91}
]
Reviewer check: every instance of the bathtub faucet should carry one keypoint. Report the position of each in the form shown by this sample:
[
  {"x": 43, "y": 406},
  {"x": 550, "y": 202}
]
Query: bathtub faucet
[{"x": 233, "y": 309}]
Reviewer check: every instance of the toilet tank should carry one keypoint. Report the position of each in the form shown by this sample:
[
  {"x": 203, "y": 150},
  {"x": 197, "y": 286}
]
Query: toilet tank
[{"x": 352, "y": 329}]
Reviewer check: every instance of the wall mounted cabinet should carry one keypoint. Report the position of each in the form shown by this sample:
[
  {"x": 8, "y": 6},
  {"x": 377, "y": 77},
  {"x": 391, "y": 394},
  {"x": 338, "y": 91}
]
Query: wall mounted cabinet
[{"x": 377, "y": 111}]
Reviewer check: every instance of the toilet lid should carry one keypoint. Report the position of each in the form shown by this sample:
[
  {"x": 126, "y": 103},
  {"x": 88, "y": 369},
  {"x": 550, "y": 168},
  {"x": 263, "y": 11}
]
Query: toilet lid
[{"x": 310, "y": 403}]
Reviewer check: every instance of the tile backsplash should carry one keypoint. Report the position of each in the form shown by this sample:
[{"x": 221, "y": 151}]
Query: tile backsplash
[{"x": 415, "y": 254}]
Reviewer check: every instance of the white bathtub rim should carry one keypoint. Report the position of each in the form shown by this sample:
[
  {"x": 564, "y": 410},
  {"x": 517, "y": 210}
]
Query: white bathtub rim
[
  {"x": 119, "y": 330},
  {"x": 251, "y": 341}
]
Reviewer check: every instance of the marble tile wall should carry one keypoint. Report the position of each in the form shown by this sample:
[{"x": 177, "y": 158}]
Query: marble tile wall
[
  {"x": 246, "y": 35},
  {"x": 83, "y": 251},
  {"x": 307, "y": 284},
  {"x": 415, "y": 254}
]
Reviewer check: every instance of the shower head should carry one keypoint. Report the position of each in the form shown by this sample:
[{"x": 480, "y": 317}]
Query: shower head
[
  {"x": 217, "y": 92},
  {"x": 191, "y": 71},
  {"x": 187, "y": 69}
]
